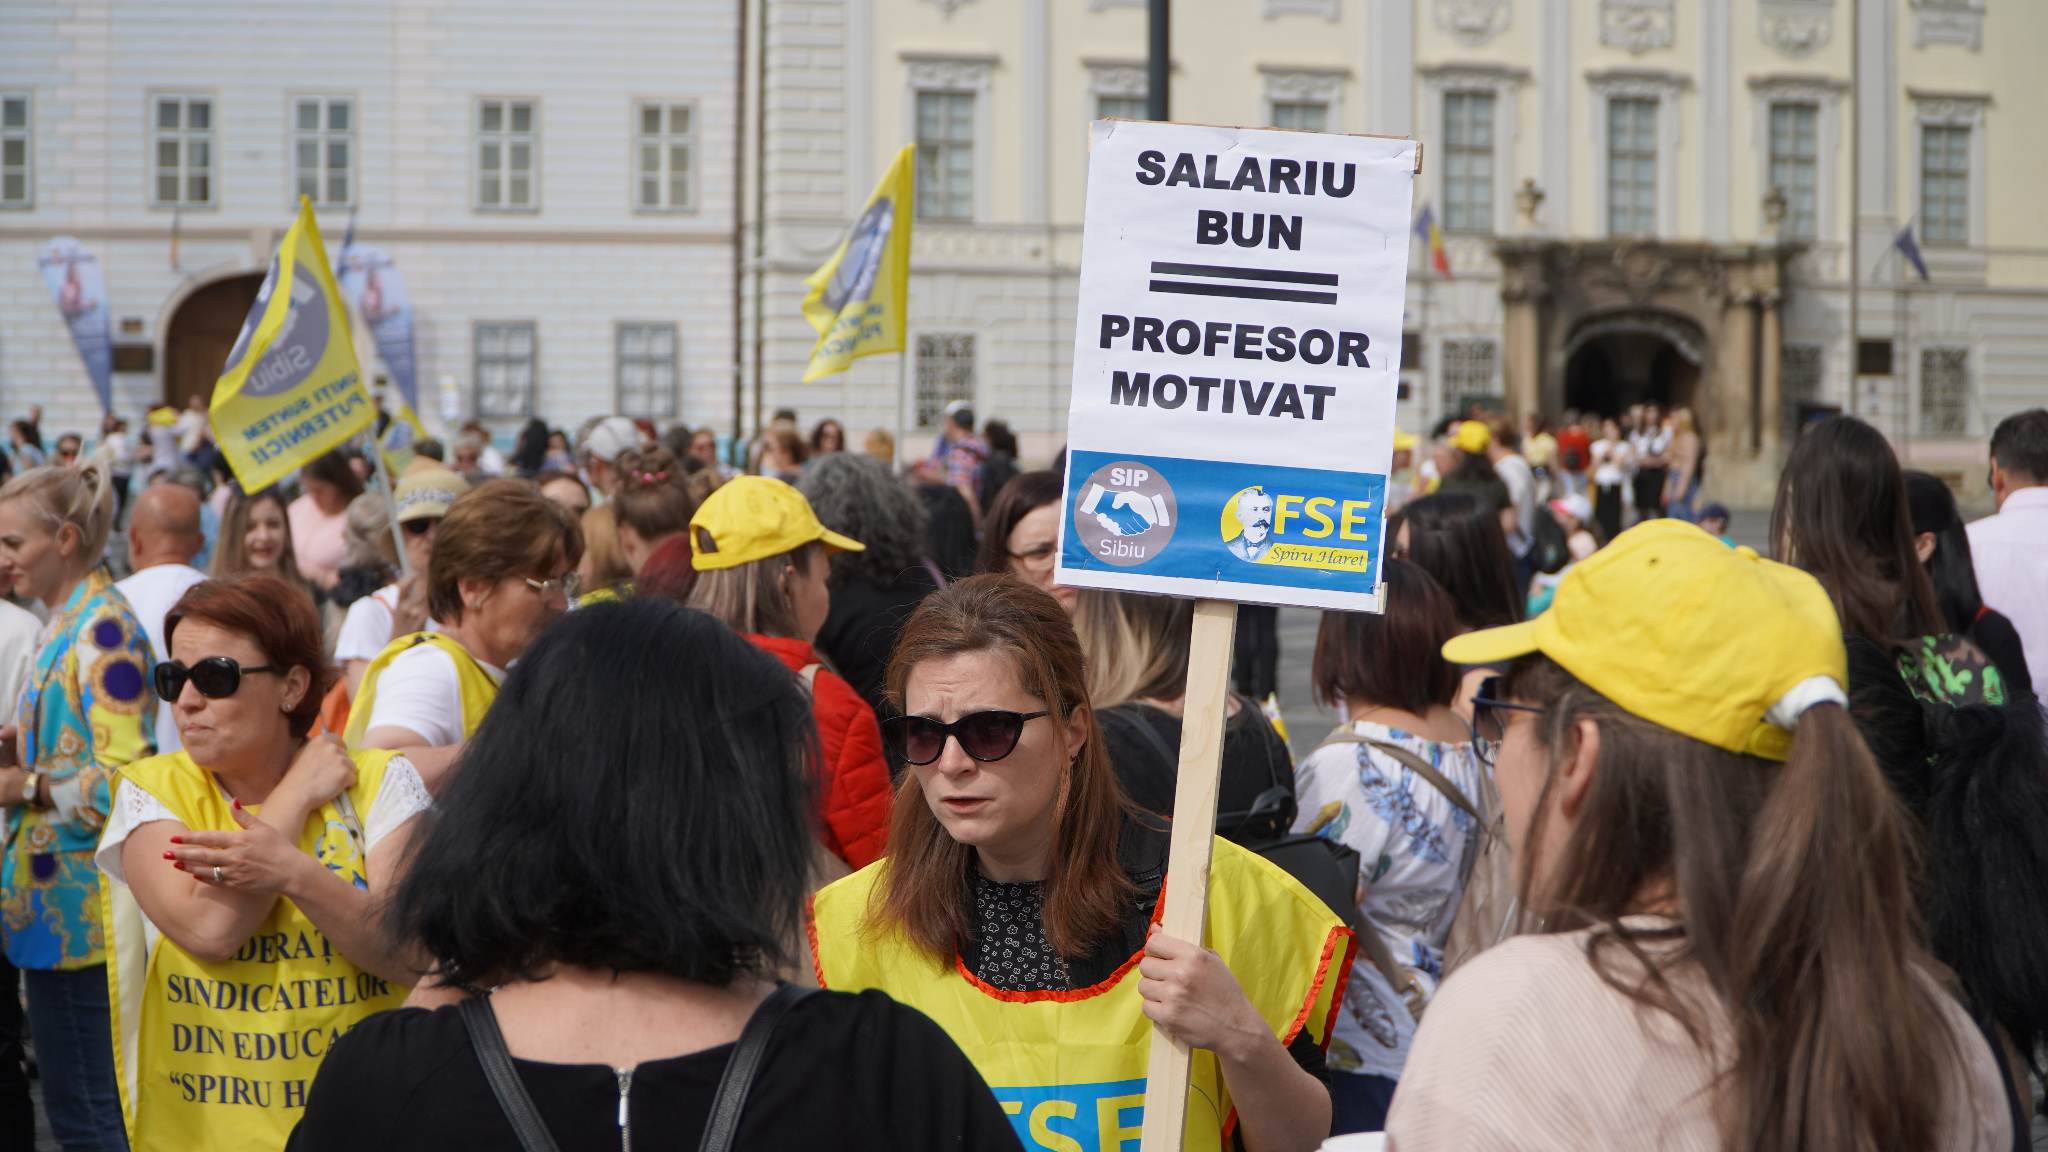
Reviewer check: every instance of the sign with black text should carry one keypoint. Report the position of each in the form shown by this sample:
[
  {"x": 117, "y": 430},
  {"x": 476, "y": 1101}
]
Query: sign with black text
[{"x": 1236, "y": 363}]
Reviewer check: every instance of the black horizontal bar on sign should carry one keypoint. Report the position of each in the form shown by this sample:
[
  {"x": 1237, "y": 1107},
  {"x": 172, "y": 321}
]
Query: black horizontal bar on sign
[
  {"x": 1281, "y": 275},
  {"x": 1244, "y": 292}
]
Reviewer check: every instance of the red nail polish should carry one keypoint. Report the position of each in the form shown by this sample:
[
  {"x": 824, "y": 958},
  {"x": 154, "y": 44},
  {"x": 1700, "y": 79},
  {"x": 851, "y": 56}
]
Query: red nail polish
[
  {"x": 238, "y": 803},
  {"x": 169, "y": 856}
]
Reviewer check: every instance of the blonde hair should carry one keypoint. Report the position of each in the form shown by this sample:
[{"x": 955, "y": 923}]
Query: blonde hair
[
  {"x": 1135, "y": 646},
  {"x": 82, "y": 497},
  {"x": 881, "y": 445},
  {"x": 749, "y": 598},
  {"x": 605, "y": 558}
]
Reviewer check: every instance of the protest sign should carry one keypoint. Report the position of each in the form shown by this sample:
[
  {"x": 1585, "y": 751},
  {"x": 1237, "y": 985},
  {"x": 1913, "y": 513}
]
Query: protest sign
[
  {"x": 1237, "y": 356},
  {"x": 1236, "y": 363},
  {"x": 291, "y": 389},
  {"x": 78, "y": 286}
]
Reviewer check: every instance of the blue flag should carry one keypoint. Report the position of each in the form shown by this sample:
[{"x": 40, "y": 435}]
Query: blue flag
[
  {"x": 371, "y": 282},
  {"x": 1910, "y": 249}
]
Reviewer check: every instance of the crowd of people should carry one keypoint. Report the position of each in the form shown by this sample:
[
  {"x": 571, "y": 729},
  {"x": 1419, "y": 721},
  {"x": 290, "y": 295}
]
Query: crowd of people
[{"x": 621, "y": 788}]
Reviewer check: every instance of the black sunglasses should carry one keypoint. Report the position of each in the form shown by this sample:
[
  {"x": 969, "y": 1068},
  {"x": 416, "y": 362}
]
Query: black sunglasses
[
  {"x": 986, "y": 736},
  {"x": 1489, "y": 727},
  {"x": 215, "y": 677},
  {"x": 420, "y": 526}
]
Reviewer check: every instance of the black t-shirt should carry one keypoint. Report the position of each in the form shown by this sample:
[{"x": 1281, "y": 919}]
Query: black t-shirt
[
  {"x": 1995, "y": 634},
  {"x": 842, "y": 1071},
  {"x": 1144, "y": 749},
  {"x": 861, "y": 629}
]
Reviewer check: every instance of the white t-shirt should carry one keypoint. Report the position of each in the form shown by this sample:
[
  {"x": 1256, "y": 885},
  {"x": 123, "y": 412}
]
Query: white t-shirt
[
  {"x": 419, "y": 691},
  {"x": 151, "y": 593},
  {"x": 401, "y": 797},
  {"x": 21, "y": 636},
  {"x": 366, "y": 630},
  {"x": 1613, "y": 461}
]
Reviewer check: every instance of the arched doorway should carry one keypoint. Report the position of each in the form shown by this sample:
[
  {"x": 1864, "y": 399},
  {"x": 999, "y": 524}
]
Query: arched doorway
[
  {"x": 1619, "y": 359},
  {"x": 202, "y": 332}
]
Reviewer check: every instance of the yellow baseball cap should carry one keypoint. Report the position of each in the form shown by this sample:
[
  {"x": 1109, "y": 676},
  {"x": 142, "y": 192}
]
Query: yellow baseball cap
[
  {"x": 1473, "y": 437},
  {"x": 1404, "y": 441},
  {"x": 1685, "y": 632},
  {"x": 751, "y": 518}
]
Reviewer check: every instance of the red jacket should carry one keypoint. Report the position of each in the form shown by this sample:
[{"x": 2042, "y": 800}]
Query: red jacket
[{"x": 856, "y": 795}]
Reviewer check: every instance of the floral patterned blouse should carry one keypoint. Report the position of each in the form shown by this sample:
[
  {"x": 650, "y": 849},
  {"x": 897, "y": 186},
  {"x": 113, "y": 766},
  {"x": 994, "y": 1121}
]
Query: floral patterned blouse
[{"x": 85, "y": 712}]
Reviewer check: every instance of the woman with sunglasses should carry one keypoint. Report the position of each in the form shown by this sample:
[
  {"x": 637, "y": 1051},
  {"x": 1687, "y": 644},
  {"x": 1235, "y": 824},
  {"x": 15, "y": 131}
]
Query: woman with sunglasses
[
  {"x": 84, "y": 713},
  {"x": 503, "y": 568},
  {"x": 245, "y": 873},
  {"x": 763, "y": 563},
  {"x": 1378, "y": 785},
  {"x": 1725, "y": 952},
  {"x": 1018, "y": 904}
]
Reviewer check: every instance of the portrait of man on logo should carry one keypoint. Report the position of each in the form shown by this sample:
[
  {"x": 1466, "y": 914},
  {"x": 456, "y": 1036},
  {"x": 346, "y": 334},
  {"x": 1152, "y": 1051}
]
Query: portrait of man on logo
[{"x": 1253, "y": 511}]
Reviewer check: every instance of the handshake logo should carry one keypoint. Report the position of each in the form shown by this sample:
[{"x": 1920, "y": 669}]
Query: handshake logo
[{"x": 1124, "y": 513}]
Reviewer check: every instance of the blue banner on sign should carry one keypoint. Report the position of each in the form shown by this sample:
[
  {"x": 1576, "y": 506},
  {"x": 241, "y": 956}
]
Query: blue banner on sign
[
  {"x": 1090, "y": 1117},
  {"x": 1303, "y": 528}
]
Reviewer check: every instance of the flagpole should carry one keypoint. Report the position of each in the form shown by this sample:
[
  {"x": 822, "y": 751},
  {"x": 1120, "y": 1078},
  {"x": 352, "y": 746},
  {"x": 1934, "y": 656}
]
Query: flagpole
[
  {"x": 383, "y": 471},
  {"x": 1855, "y": 184},
  {"x": 902, "y": 398}
]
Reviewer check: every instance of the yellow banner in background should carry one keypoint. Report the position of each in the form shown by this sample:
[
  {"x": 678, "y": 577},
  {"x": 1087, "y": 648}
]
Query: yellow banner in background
[
  {"x": 291, "y": 389},
  {"x": 857, "y": 299}
]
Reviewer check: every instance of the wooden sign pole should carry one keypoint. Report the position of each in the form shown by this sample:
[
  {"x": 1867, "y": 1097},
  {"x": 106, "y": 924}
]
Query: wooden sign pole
[{"x": 1203, "y": 712}]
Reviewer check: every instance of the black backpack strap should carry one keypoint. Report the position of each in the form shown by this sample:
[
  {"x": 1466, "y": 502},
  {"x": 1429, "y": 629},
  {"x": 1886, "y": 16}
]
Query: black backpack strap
[
  {"x": 512, "y": 1096},
  {"x": 740, "y": 1071}
]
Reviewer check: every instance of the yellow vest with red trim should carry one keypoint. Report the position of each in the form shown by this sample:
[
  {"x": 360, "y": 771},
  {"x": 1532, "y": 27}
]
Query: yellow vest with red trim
[
  {"x": 471, "y": 678},
  {"x": 1069, "y": 1067},
  {"x": 220, "y": 1055}
]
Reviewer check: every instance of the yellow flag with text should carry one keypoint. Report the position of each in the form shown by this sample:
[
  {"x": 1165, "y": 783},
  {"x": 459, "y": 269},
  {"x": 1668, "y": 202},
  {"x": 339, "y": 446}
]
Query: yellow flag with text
[
  {"x": 857, "y": 299},
  {"x": 291, "y": 389}
]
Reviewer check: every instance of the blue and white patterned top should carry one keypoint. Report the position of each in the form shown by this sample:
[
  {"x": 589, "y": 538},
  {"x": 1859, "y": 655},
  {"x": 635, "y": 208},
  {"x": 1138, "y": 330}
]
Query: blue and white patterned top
[{"x": 1412, "y": 846}]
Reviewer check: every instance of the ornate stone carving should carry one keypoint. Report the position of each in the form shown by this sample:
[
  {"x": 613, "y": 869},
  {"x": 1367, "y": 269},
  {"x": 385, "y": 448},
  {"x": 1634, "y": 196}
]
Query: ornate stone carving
[
  {"x": 1796, "y": 27},
  {"x": 1641, "y": 269},
  {"x": 1473, "y": 22},
  {"x": 1959, "y": 22},
  {"x": 1638, "y": 26},
  {"x": 1960, "y": 109},
  {"x": 1305, "y": 86},
  {"x": 1116, "y": 79},
  {"x": 947, "y": 73}
]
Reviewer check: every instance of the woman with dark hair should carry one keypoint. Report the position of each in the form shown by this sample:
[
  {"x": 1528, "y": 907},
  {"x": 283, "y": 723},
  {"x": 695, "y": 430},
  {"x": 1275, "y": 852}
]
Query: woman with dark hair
[
  {"x": 319, "y": 517},
  {"x": 1001, "y": 465},
  {"x": 1472, "y": 472},
  {"x": 1021, "y": 533},
  {"x": 1723, "y": 952},
  {"x": 783, "y": 453},
  {"x": 610, "y": 903},
  {"x": 1942, "y": 544},
  {"x": 1961, "y": 746},
  {"x": 873, "y": 591},
  {"x": 1377, "y": 786},
  {"x": 1458, "y": 541},
  {"x": 828, "y": 435},
  {"x": 251, "y": 833},
  {"x": 1017, "y": 903},
  {"x": 652, "y": 504},
  {"x": 530, "y": 453}
]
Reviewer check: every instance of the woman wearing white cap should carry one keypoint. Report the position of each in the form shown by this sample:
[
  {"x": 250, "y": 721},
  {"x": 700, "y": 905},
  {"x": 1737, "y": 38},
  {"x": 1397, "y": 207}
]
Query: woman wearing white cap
[
  {"x": 1725, "y": 953},
  {"x": 398, "y": 608}
]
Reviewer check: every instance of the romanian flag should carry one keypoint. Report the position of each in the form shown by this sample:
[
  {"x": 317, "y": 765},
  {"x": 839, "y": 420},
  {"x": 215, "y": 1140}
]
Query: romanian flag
[
  {"x": 857, "y": 299},
  {"x": 1425, "y": 227}
]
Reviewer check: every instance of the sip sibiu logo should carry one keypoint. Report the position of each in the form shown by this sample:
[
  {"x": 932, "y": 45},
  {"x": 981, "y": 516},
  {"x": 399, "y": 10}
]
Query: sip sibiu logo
[
  {"x": 1125, "y": 513},
  {"x": 300, "y": 343}
]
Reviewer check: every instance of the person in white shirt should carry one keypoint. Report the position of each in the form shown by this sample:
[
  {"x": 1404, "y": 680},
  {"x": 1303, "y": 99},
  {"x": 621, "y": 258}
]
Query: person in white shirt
[
  {"x": 2008, "y": 547},
  {"x": 163, "y": 537},
  {"x": 1651, "y": 442},
  {"x": 399, "y": 608}
]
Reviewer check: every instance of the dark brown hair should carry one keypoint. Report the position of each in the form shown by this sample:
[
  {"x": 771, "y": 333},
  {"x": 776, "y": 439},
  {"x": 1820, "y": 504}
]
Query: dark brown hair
[
  {"x": 1792, "y": 886},
  {"x": 1842, "y": 515},
  {"x": 277, "y": 615},
  {"x": 928, "y": 888},
  {"x": 1025, "y": 493},
  {"x": 1458, "y": 541},
  {"x": 333, "y": 467},
  {"x": 653, "y": 496},
  {"x": 497, "y": 529},
  {"x": 1393, "y": 657}
]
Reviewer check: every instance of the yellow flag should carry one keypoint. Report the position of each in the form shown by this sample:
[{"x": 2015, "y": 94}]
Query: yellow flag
[
  {"x": 291, "y": 389},
  {"x": 857, "y": 299}
]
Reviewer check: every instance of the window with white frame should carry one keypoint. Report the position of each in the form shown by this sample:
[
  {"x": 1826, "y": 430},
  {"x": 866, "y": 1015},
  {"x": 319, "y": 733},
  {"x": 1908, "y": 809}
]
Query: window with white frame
[
  {"x": 1301, "y": 115},
  {"x": 1468, "y": 161},
  {"x": 945, "y": 373},
  {"x": 17, "y": 178},
  {"x": 1468, "y": 367},
  {"x": 324, "y": 149},
  {"x": 647, "y": 371},
  {"x": 505, "y": 354},
  {"x": 181, "y": 156},
  {"x": 1944, "y": 391},
  {"x": 1945, "y": 183},
  {"x": 945, "y": 155},
  {"x": 1795, "y": 165},
  {"x": 1120, "y": 108},
  {"x": 1632, "y": 166},
  {"x": 665, "y": 148},
  {"x": 507, "y": 140}
]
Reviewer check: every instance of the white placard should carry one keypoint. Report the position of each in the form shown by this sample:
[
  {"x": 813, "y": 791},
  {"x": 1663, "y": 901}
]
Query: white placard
[{"x": 1237, "y": 355}]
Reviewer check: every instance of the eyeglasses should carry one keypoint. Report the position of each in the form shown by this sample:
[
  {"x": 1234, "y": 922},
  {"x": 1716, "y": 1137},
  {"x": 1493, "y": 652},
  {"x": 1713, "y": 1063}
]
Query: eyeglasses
[
  {"x": 1038, "y": 557},
  {"x": 567, "y": 583},
  {"x": 1489, "y": 727},
  {"x": 216, "y": 677},
  {"x": 986, "y": 736}
]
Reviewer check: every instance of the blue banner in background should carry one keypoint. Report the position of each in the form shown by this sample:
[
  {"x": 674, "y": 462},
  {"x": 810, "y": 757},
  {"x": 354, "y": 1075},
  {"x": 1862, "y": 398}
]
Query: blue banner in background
[
  {"x": 79, "y": 288},
  {"x": 377, "y": 292},
  {"x": 1252, "y": 524}
]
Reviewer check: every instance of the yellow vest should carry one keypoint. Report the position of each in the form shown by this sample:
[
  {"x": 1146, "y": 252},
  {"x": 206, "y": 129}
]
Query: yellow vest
[
  {"x": 475, "y": 682},
  {"x": 220, "y": 1056},
  {"x": 1069, "y": 1067}
]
